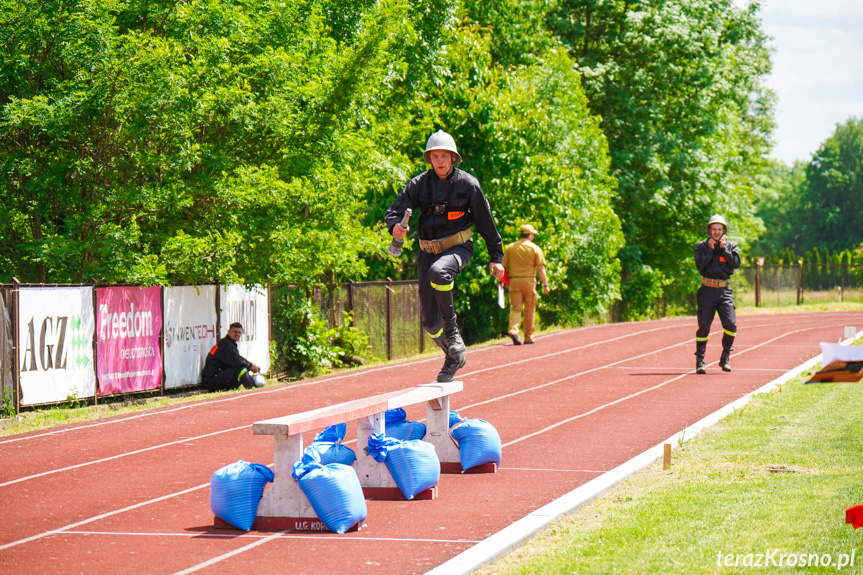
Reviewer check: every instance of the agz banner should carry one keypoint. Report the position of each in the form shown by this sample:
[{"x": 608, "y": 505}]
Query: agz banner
[
  {"x": 56, "y": 344},
  {"x": 128, "y": 324}
]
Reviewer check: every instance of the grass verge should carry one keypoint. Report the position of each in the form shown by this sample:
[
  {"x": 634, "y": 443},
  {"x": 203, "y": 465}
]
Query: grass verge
[{"x": 774, "y": 479}]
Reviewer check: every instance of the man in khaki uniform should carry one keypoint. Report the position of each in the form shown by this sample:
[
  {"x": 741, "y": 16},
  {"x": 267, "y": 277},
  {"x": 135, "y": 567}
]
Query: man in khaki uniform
[{"x": 522, "y": 260}]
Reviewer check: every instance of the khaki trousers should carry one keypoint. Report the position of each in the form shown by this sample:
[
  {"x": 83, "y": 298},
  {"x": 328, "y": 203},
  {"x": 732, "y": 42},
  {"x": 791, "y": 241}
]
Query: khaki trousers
[{"x": 522, "y": 296}]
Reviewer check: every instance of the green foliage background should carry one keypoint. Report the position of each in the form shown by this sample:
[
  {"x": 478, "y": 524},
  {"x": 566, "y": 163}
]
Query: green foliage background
[
  {"x": 248, "y": 141},
  {"x": 816, "y": 205}
]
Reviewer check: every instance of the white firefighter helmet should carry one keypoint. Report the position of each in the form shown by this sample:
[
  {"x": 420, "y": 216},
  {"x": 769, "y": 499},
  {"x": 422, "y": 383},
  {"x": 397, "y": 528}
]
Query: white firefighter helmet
[
  {"x": 440, "y": 140},
  {"x": 717, "y": 219}
]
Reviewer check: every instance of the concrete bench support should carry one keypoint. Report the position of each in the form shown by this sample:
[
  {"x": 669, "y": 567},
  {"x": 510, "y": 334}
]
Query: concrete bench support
[{"x": 285, "y": 506}]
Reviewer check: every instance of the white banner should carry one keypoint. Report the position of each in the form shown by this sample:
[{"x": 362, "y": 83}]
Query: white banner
[
  {"x": 190, "y": 332},
  {"x": 56, "y": 327},
  {"x": 248, "y": 307}
]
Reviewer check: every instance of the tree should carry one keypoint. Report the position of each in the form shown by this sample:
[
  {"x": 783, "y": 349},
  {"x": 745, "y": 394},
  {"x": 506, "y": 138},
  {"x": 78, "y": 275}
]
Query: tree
[
  {"x": 778, "y": 204},
  {"x": 679, "y": 88},
  {"x": 150, "y": 142},
  {"x": 830, "y": 210},
  {"x": 526, "y": 133}
]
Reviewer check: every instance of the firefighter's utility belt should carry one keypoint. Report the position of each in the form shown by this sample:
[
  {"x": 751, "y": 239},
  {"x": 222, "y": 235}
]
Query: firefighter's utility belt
[
  {"x": 714, "y": 283},
  {"x": 443, "y": 244}
]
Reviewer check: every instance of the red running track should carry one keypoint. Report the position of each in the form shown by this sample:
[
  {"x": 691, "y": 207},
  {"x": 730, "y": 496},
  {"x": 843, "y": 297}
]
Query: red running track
[{"x": 130, "y": 494}]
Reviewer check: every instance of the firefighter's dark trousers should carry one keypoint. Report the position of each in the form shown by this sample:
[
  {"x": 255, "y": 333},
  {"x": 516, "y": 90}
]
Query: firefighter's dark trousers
[
  {"x": 230, "y": 378},
  {"x": 710, "y": 301},
  {"x": 437, "y": 273}
]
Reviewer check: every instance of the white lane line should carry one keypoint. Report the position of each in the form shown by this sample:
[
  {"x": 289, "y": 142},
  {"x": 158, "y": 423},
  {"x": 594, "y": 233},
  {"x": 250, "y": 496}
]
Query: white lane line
[
  {"x": 119, "y": 455},
  {"x": 812, "y": 347},
  {"x": 101, "y": 516},
  {"x": 183, "y": 492},
  {"x": 206, "y": 402},
  {"x": 689, "y": 369},
  {"x": 282, "y": 388},
  {"x": 358, "y": 373},
  {"x": 286, "y": 535},
  {"x": 186, "y": 440},
  {"x": 616, "y": 363},
  {"x": 516, "y": 534},
  {"x": 573, "y": 376},
  {"x": 230, "y": 554},
  {"x": 569, "y": 350},
  {"x": 637, "y": 393},
  {"x": 553, "y": 470}
]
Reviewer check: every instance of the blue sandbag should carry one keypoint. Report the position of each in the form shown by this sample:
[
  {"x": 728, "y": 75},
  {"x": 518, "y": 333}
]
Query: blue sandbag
[
  {"x": 413, "y": 464},
  {"x": 334, "y": 492},
  {"x": 406, "y": 430},
  {"x": 236, "y": 490},
  {"x": 331, "y": 452},
  {"x": 478, "y": 443},
  {"x": 333, "y": 433},
  {"x": 454, "y": 417},
  {"x": 394, "y": 415},
  {"x": 396, "y": 425}
]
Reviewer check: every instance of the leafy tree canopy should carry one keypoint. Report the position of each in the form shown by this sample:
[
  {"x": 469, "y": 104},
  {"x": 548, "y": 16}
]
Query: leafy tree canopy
[
  {"x": 204, "y": 140},
  {"x": 679, "y": 88}
]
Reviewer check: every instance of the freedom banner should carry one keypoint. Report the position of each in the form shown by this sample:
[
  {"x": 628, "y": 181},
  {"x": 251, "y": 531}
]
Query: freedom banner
[
  {"x": 127, "y": 339},
  {"x": 190, "y": 332},
  {"x": 55, "y": 327},
  {"x": 248, "y": 307}
]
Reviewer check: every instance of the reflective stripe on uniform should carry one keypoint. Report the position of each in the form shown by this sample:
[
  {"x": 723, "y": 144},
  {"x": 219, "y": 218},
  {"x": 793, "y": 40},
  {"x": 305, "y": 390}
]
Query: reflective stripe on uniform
[
  {"x": 700, "y": 339},
  {"x": 445, "y": 287},
  {"x": 438, "y": 334},
  {"x": 731, "y": 333},
  {"x": 242, "y": 373}
]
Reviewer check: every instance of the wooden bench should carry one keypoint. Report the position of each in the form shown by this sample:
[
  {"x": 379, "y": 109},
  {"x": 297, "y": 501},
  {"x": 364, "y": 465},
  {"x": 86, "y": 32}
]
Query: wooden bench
[{"x": 285, "y": 506}]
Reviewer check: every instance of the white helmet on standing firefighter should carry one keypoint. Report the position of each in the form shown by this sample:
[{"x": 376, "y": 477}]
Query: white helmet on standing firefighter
[
  {"x": 717, "y": 219},
  {"x": 440, "y": 140}
]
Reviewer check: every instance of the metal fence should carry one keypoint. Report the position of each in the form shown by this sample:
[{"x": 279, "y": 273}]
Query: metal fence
[
  {"x": 795, "y": 284},
  {"x": 387, "y": 311}
]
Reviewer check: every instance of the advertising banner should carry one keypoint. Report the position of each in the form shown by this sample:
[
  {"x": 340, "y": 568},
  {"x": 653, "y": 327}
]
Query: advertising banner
[
  {"x": 248, "y": 307},
  {"x": 190, "y": 332},
  {"x": 127, "y": 339},
  {"x": 56, "y": 344}
]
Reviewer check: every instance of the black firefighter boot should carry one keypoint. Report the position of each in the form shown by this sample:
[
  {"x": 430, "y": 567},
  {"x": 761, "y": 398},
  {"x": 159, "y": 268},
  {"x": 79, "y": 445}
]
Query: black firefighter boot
[
  {"x": 455, "y": 359},
  {"x": 724, "y": 360},
  {"x": 699, "y": 365}
]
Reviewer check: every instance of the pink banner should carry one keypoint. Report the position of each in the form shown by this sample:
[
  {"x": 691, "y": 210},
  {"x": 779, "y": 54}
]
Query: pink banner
[{"x": 128, "y": 323}]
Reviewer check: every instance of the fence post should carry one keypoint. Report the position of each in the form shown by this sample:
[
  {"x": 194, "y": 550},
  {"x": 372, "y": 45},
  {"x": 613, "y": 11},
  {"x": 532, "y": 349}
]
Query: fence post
[
  {"x": 799, "y": 282},
  {"x": 161, "y": 343},
  {"x": 351, "y": 302},
  {"x": 841, "y": 282},
  {"x": 16, "y": 339},
  {"x": 389, "y": 319},
  {"x": 95, "y": 343},
  {"x": 758, "y": 267}
]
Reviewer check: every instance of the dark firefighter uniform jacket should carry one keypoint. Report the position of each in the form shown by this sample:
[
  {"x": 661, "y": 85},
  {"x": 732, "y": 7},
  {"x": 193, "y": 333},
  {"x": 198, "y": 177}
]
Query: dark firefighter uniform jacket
[
  {"x": 446, "y": 208},
  {"x": 223, "y": 355},
  {"x": 718, "y": 263}
]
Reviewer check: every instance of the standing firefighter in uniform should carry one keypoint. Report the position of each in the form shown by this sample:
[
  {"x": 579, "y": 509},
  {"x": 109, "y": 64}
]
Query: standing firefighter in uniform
[
  {"x": 716, "y": 259},
  {"x": 523, "y": 260},
  {"x": 450, "y": 202}
]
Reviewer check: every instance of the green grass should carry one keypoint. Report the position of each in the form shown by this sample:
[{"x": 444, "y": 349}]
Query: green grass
[{"x": 776, "y": 475}]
